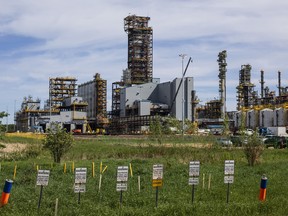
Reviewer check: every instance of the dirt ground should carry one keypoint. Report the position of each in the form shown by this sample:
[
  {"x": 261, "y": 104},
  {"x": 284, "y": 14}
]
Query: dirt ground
[{"x": 12, "y": 147}]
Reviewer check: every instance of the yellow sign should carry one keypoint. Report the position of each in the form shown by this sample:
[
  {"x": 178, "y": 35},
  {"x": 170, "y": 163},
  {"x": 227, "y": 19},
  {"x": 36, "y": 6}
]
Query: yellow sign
[{"x": 157, "y": 182}]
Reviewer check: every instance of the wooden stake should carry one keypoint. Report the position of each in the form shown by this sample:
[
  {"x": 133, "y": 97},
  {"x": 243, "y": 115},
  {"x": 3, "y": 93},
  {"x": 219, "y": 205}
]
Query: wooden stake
[
  {"x": 203, "y": 180},
  {"x": 73, "y": 167},
  {"x": 56, "y": 207},
  {"x": 100, "y": 179},
  {"x": 209, "y": 181},
  {"x": 139, "y": 186},
  {"x": 15, "y": 171},
  {"x": 64, "y": 168}
]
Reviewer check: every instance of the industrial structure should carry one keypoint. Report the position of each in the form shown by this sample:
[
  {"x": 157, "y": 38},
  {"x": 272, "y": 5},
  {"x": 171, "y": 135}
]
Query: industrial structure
[
  {"x": 138, "y": 97},
  {"x": 95, "y": 93},
  {"x": 63, "y": 107},
  {"x": 213, "y": 112},
  {"x": 140, "y": 49}
]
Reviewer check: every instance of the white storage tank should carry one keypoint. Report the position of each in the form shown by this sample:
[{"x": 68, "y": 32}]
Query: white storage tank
[
  {"x": 280, "y": 117},
  {"x": 266, "y": 118},
  {"x": 237, "y": 119},
  {"x": 252, "y": 119}
]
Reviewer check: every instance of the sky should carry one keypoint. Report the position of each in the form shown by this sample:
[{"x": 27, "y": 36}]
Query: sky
[{"x": 78, "y": 38}]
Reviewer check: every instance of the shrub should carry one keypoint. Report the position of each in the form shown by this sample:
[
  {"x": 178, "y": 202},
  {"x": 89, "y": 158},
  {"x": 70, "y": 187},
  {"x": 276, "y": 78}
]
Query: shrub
[
  {"x": 58, "y": 142},
  {"x": 253, "y": 149}
]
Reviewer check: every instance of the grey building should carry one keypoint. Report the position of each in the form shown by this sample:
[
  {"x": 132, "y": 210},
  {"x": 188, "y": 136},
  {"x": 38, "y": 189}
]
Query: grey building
[{"x": 157, "y": 98}]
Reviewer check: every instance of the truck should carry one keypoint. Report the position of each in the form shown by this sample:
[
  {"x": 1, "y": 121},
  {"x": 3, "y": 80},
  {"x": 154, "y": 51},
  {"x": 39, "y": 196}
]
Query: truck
[{"x": 278, "y": 131}]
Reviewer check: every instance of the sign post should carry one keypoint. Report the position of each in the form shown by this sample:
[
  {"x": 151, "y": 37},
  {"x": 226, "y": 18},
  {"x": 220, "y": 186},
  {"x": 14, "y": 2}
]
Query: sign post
[
  {"x": 194, "y": 172},
  {"x": 80, "y": 181},
  {"x": 228, "y": 176},
  {"x": 157, "y": 179},
  {"x": 42, "y": 180},
  {"x": 122, "y": 178}
]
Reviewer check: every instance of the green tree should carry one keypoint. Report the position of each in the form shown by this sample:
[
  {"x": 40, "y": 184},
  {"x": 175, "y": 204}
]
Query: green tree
[
  {"x": 2, "y": 128},
  {"x": 58, "y": 142}
]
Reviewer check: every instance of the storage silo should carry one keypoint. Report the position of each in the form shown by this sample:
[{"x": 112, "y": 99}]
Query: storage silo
[
  {"x": 266, "y": 118},
  {"x": 280, "y": 117},
  {"x": 252, "y": 120}
]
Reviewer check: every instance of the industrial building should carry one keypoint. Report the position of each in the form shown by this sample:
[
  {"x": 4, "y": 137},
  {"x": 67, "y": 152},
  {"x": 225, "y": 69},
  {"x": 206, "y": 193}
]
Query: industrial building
[
  {"x": 63, "y": 107},
  {"x": 95, "y": 93}
]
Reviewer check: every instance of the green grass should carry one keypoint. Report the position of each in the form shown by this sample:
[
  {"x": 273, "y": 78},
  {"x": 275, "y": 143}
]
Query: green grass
[{"x": 174, "y": 196}]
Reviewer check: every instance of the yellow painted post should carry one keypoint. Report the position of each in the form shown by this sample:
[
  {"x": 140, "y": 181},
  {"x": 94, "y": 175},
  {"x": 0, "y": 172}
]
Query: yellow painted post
[
  {"x": 131, "y": 171},
  {"x": 15, "y": 171},
  {"x": 203, "y": 180},
  {"x": 209, "y": 181},
  {"x": 37, "y": 168},
  {"x": 93, "y": 169},
  {"x": 101, "y": 167},
  {"x": 64, "y": 168},
  {"x": 104, "y": 169}
]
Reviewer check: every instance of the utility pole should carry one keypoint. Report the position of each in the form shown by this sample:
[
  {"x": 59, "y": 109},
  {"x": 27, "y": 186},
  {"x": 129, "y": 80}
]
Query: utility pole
[{"x": 183, "y": 100}]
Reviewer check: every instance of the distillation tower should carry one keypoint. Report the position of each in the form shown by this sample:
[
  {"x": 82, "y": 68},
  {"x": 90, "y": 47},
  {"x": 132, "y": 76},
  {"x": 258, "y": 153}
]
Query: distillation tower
[{"x": 140, "y": 48}]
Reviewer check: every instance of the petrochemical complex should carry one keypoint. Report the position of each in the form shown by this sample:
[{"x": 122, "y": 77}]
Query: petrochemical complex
[{"x": 138, "y": 97}]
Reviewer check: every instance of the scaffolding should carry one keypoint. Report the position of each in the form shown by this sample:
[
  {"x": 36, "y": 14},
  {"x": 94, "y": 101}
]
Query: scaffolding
[
  {"x": 140, "y": 48},
  {"x": 101, "y": 95},
  {"x": 246, "y": 97},
  {"x": 61, "y": 88}
]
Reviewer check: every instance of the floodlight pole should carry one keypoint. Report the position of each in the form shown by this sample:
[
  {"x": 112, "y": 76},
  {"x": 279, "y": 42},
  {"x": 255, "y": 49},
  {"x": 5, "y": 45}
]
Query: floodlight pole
[{"x": 183, "y": 100}]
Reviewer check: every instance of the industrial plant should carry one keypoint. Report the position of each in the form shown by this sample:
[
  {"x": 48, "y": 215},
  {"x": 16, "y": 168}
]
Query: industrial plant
[{"x": 137, "y": 97}]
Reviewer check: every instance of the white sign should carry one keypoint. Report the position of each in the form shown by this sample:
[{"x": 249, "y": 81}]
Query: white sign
[
  {"x": 43, "y": 177},
  {"x": 79, "y": 188},
  {"x": 122, "y": 174},
  {"x": 228, "y": 179},
  {"x": 193, "y": 181},
  {"x": 229, "y": 167},
  {"x": 158, "y": 171},
  {"x": 121, "y": 187},
  {"x": 80, "y": 175},
  {"x": 194, "y": 168}
]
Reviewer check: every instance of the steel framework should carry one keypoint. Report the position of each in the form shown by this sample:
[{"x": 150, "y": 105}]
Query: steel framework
[
  {"x": 60, "y": 88},
  {"x": 140, "y": 48}
]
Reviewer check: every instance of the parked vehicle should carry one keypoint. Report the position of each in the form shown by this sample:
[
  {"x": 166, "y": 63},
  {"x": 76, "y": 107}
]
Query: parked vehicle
[
  {"x": 275, "y": 141},
  {"x": 224, "y": 141}
]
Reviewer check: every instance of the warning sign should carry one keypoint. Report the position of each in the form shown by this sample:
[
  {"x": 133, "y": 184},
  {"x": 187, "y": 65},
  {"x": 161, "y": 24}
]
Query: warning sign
[
  {"x": 193, "y": 181},
  {"x": 228, "y": 179},
  {"x": 79, "y": 188},
  {"x": 229, "y": 167},
  {"x": 158, "y": 171},
  {"x": 122, "y": 174},
  {"x": 194, "y": 168},
  {"x": 157, "y": 182},
  {"x": 43, "y": 177},
  {"x": 121, "y": 187},
  {"x": 80, "y": 175}
]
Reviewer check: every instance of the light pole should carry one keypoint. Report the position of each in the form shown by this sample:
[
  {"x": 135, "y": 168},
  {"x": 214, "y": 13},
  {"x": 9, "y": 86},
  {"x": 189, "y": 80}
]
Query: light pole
[{"x": 182, "y": 57}]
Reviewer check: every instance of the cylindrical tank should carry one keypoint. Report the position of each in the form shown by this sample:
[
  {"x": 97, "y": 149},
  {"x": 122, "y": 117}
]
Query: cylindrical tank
[
  {"x": 252, "y": 120},
  {"x": 237, "y": 117},
  {"x": 280, "y": 117},
  {"x": 266, "y": 118}
]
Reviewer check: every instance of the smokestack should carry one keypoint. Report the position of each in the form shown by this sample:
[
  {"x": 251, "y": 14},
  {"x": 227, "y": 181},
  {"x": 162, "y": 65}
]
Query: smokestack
[
  {"x": 279, "y": 83},
  {"x": 262, "y": 84}
]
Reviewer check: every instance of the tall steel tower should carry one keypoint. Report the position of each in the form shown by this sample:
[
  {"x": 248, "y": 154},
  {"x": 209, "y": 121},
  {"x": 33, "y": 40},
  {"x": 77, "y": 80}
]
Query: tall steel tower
[{"x": 140, "y": 49}]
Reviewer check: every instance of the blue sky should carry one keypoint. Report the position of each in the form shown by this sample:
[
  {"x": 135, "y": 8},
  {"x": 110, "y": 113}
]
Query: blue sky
[{"x": 78, "y": 38}]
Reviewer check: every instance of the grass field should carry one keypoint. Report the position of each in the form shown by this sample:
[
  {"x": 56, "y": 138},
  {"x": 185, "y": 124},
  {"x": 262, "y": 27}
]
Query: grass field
[{"x": 175, "y": 195}]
